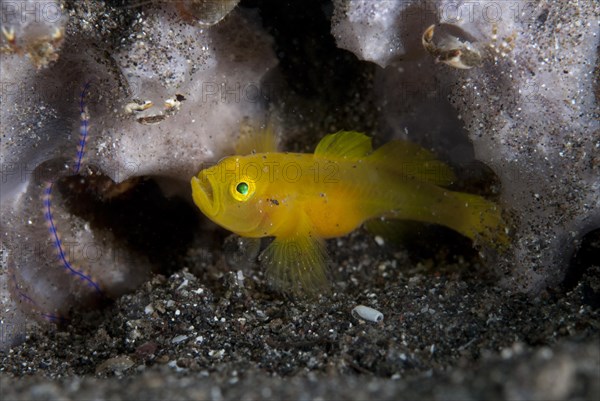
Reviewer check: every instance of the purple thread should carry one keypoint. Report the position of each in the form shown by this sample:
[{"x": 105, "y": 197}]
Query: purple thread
[
  {"x": 48, "y": 191},
  {"x": 52, "y": 229},
  {"x": 21, "y": 293},
  {"x": 83, "y": 129},
  {"x": 24, "y": 296},
  {"x": 58, "y": 245},
  {"x": 55, "y": 318}
]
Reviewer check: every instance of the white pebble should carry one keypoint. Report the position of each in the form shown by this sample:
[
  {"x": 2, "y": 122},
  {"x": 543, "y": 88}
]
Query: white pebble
[
  {"x": 178, "y": 339},
  {"x": 367, "y": 313}
]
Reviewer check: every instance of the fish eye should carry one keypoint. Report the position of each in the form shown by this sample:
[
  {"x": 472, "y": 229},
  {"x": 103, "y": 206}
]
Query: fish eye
[{"x": 242, "y": 190}]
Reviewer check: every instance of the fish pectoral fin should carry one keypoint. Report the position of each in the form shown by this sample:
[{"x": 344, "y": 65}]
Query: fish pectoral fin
[
  {"x": 344, "y": 143},
  {"x": 297, "y": 264}
]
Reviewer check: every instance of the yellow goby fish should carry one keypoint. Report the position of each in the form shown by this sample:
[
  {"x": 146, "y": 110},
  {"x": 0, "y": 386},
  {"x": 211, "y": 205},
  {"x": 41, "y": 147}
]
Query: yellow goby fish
[{"x": 301, "y": 199}]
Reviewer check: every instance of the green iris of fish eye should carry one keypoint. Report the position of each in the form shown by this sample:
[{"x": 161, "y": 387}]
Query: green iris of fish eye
[{"x": 242, "y": 188}]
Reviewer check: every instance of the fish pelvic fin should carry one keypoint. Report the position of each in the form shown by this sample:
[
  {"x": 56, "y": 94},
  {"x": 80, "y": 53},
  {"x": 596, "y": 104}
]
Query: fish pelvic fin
[{"x": 297, "y": 264}]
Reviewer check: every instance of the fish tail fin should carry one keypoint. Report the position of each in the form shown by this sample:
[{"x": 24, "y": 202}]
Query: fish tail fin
[
  {"x": 418, "y": 176},
  {"x": 479, "y": 219},
  {"x": 297, "y": 264}
]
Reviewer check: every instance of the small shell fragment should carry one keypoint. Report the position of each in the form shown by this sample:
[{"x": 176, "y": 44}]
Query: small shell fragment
[
  {"x": 367, "y": 313},
  {"x": 133, "y": 107},
  {"x": 174, "y": 103},
  {"x": 151, "y": 120}
]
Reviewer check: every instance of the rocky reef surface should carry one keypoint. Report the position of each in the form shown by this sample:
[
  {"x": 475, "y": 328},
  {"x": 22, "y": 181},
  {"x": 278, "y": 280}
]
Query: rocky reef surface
[{"x": 149, "y": 292}]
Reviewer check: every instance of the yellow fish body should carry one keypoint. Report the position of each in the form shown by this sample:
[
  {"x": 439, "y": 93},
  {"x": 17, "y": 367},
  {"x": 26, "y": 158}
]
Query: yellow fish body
[{"x": 301, "y": 199}]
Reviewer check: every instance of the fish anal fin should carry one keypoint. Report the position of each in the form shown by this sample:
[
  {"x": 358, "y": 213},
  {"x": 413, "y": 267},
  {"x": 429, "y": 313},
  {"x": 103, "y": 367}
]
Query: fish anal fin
[
  {"x": 297, "y": 264},
  {"x": 411, "y": 160},
  {"x": 392, "y": 230},
  {"x": 344, "y": 144}
]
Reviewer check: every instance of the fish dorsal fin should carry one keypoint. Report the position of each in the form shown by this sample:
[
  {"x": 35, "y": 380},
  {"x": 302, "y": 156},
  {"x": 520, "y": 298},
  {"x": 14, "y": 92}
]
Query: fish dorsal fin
[
  {"x": 411, "y": 160},
  {"x": 344, "y": 144},
  {"x": 256, "y": 140}
]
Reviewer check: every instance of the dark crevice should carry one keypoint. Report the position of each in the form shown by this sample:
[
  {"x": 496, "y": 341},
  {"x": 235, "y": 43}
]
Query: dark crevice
[
  {"x": 326, "y": 88},
  {"x": 137, "y": 214},
  {"x": 584, "y": 269},
  {"x": 306, "y": 49}
]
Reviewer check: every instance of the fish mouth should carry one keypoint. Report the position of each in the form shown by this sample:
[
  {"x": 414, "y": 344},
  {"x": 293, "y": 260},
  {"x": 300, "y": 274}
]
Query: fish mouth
[{"x": 204, "y": 194}]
